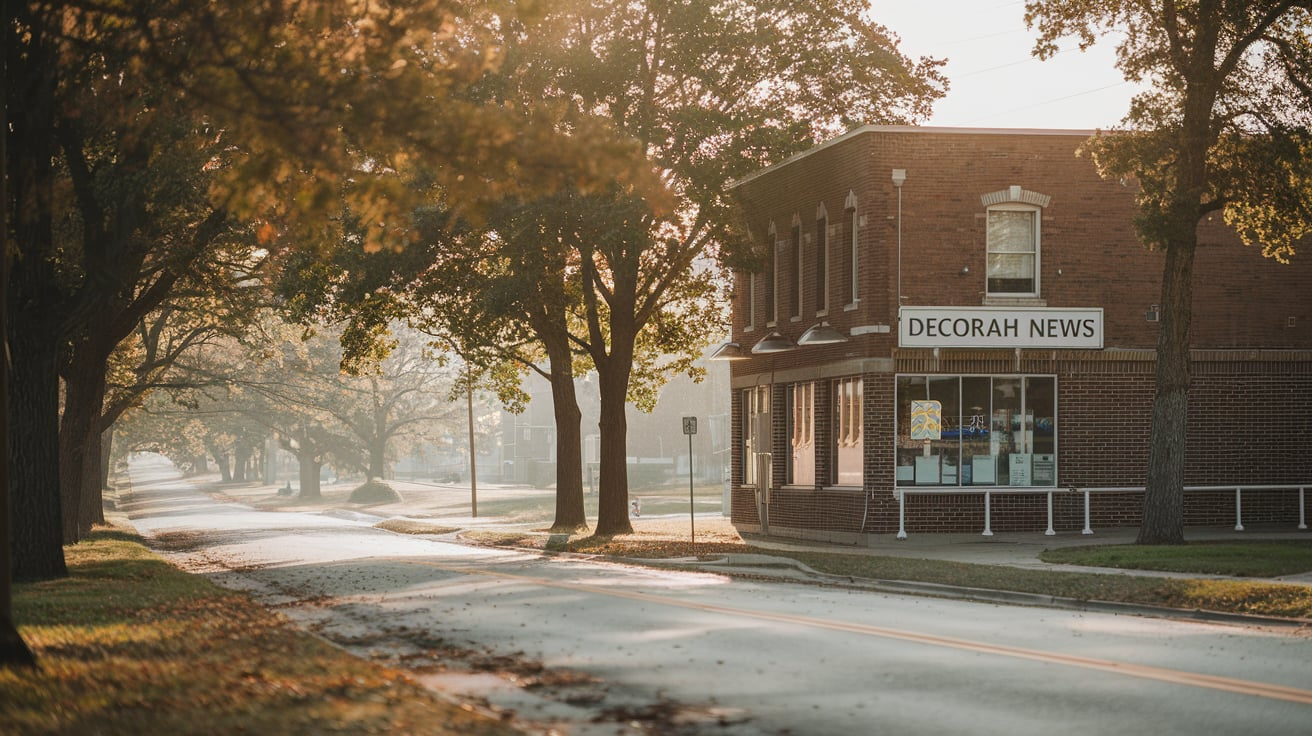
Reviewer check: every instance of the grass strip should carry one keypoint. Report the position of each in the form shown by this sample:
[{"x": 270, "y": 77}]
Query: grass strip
[
  {"x": 1260, "y": 559},
  {"x": 128, "y": 644},
  {"x": 1227, "y": 596}
]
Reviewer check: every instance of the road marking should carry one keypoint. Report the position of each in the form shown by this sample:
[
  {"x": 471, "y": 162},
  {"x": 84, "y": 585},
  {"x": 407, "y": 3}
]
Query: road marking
[{"x": 1148, "y": 672}]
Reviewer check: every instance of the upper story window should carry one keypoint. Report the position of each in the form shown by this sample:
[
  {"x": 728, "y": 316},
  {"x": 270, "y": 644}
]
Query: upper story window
[
  {"x": 1013, "y": 251},
  {"x": 795, "y": 263},
  {"x": 1013, "y": 236},
  {"x": 772, "y": 279},
  {"x": 853, "y": 226},
  {"x": 821, "y": 261},
  {"x": 750, "y": 280}
]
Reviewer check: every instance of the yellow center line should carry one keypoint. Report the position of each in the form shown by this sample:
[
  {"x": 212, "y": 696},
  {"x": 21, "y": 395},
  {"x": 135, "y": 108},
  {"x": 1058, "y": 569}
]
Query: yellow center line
[{"x": 1160, "y": 674}]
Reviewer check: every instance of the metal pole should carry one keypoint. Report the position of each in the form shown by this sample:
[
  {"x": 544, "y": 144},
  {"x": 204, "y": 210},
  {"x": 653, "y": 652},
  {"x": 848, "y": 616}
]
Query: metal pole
[
  {"x": 1087, "y": 529},
  {"x": 988, "y": 526},
  {"x": 901, "y": 514},
  {"x": 692, "y": 523},
  {"x": 1050, "y": 532},
  {"x": 1239, "y": 510},
  {"x": 473, "y": 463}
]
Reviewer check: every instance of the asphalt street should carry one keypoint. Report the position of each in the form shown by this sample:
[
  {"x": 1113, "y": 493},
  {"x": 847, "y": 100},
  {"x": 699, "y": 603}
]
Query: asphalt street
[{"x": 628, "y": 649}]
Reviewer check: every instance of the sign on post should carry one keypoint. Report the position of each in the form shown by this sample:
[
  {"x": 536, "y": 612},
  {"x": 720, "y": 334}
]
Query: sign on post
[{"x": 690, "y": 429}]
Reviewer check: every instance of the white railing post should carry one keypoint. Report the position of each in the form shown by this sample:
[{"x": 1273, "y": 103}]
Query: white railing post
[
  {"x": 1050, "y": 532},
  {"x": 988, "y": 531},
  {"x": 1302, "y": 520},
  {"x": 1239, "y": 510},
  {"x": 901, "y": 514},
  {"x": 1087, "y": 529}
]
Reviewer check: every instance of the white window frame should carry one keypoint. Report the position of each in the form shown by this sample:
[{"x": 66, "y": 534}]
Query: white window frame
[{"x": 1037, "y": 214}]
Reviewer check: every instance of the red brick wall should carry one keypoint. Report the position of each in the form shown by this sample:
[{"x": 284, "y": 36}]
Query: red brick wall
[{"x": 1090, "y": 253}]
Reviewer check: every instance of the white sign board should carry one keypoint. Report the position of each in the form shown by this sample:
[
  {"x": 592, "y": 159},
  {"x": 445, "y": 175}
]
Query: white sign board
[{"x": 1000, "y": 327}]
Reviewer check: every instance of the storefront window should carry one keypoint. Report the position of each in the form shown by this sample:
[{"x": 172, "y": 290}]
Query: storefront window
[
  {"x": 992, "y": 430},
  {"x": 801, "y": 420},
  {"x": 848, "y": 443}
]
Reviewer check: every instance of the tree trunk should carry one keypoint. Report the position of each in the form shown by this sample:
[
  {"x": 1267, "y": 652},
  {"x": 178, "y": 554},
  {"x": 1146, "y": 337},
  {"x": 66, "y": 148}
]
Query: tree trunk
[
  {"x": 613, "y": 493},
  {"x": 79, "y": 444},
  {"x": 377, "y": 458},
  {"x": 222, "y": 459},
  {"x": 106, "y": 458},
  {"x": 570, "y": 514},
  {"x": 270, "y": 461},
  {"x": 1163, "y": 501},
  {"x": 242, "y": 454},
  {"x": 36, "y": 523},
  {"x": 309, "y": 465}
]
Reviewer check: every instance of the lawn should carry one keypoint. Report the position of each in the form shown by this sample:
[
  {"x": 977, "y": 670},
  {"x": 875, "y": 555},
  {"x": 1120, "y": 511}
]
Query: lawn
[
  {"x": 1265, "y": 559},
  {"x": 128, "y": 644}
]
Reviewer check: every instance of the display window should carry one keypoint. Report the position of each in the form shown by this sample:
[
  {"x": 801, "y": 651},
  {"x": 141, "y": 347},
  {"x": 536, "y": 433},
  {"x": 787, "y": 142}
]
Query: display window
[
  {"x": 756, "y": 430},
  {"x": 801, "y": 430},
  {"x": 848, "y": 443},
  {"x": 976, "y": 431}
]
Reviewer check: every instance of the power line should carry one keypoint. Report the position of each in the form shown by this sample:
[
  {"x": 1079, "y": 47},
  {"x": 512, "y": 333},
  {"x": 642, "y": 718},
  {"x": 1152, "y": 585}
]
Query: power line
[{"x": 1040, "y": 104}]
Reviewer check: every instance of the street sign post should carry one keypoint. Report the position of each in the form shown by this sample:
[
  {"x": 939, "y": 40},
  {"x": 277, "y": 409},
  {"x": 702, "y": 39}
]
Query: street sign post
[{"x": 690, "y": 429}]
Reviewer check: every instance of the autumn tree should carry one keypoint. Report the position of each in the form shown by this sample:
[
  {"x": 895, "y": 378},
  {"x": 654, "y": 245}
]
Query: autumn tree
[
  {"x": 711, "y": 90},
  {"x": 309, "y": 102},
  {"x": 1225, "y": 128}
]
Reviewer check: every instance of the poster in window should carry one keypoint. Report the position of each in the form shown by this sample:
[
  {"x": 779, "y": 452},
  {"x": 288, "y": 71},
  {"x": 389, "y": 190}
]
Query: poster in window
[
  {"x": 1020, "y": 467},
  {"x": 1045, "y": 470}
]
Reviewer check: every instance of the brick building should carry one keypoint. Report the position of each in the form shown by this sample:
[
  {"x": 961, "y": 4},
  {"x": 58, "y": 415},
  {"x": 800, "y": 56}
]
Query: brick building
[{"x": 1020, "y": 364}]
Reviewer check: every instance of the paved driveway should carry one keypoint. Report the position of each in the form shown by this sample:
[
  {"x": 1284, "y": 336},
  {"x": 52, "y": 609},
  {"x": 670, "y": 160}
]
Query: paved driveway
[{"x": 569, "y": 645}]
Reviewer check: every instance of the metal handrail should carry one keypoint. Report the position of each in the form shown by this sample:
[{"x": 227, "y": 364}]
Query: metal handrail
[{"x": 900, "y": 494}]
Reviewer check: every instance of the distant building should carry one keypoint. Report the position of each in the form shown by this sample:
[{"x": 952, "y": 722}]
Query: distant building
[{"x": 1022, "y": 357}]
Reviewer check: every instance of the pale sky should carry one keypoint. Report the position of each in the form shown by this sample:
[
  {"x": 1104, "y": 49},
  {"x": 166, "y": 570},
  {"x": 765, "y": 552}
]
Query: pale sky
[{"x": 995, "y": 81}]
